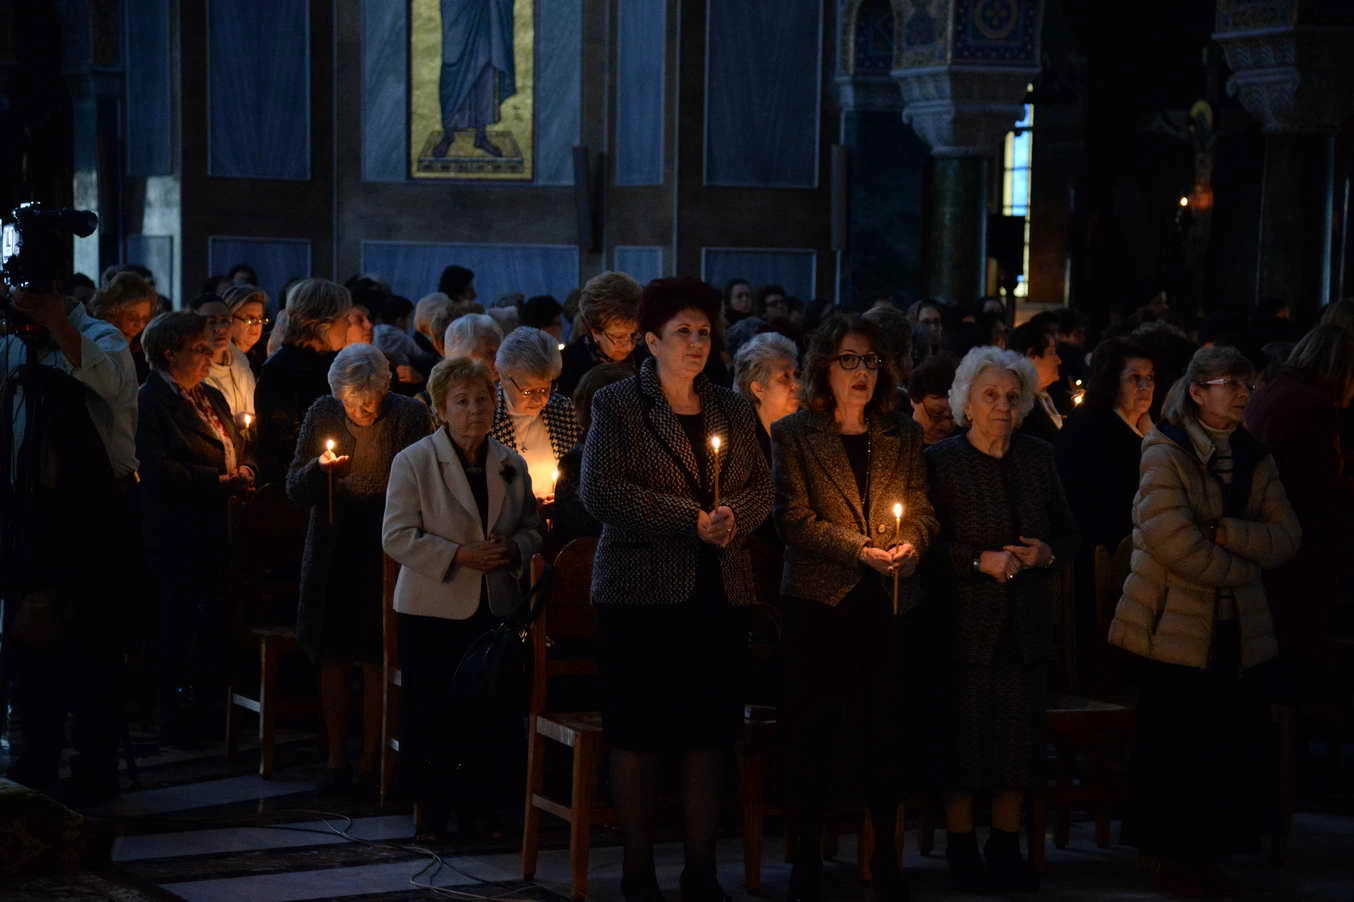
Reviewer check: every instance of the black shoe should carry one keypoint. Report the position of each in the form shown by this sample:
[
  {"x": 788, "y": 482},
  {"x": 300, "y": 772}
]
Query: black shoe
[
  {"x": 701, "y": 885},
  {"x": 1006, "y": 870},
  {"x": 967, "y": 873},
  {"x": 887, "y": 883},
  {"x": 641, "y": 889},
  {"x": 806, "y": 881}
]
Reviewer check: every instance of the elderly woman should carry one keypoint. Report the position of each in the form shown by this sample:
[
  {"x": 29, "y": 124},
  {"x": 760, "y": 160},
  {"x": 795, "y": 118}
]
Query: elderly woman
[
  {"x": 531, "y": 417},
  {"x": 670, "y": 574},
  {"x": 766, "y": 372},
  {"x": 248, "y": 317},
  {"x": 474, "y": 335},
  {"x": 230, "y": 373},
  {"x": 1100, "y": 446},
  {"x": 1209, "y": 518},
  {"x": 608, "y": 311},
  {"x": 192, "y": 460},
  {"x": 316, "y": 329},
  {"x": 128, "y": 302},
  {"x": 461, "y": 520},
  {"x": 339, "y": 618},
  {"x": 1297, "y": 416},
  {"x": 841, "y": 466},
  {"x": 1004, "y": 524},
  {"x": 426, "y": 336}
]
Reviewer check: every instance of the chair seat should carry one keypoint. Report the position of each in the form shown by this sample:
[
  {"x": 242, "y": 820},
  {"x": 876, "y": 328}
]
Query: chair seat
[
  {"x": 566, "y": 728},
  {"x": 1088, "y": 721},
  {"x": 282, "y": 633}
]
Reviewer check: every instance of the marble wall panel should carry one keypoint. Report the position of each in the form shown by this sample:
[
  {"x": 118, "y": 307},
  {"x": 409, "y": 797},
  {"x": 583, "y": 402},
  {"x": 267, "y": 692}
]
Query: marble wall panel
[
  {"x": 258, "y": 73},
  {"x": 148, "y": 103},
  {"x": 559, "y": 72},
  {"x": 385, "y": 91},
  {"x": 276, "y": 260},
  {"x": 643, "y": 263},
  {"x": 762, "y": 93},
  {"x": 641, "y": 61},
  {"x": 794, "y": 269},
  {"x": 413, "y": 269}
]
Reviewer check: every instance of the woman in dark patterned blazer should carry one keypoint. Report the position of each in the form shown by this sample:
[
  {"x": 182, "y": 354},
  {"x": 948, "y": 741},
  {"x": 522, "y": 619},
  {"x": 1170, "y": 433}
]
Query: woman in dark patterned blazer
[
  {"x": 671, "y": 573},
  {"x": 1004, "y": 523},
  {"x": 531, "y": 417},
  {"x": 840, "y": 467}
]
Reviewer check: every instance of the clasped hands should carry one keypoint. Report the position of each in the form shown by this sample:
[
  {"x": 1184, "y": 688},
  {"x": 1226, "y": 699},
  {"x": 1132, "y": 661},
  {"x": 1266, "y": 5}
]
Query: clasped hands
[
  {"x": 716, "y": 528},
  {"x": 1005, "y": 564},
  {"x": 494, "y": 553},
  {"x": 901, "y": 559}
]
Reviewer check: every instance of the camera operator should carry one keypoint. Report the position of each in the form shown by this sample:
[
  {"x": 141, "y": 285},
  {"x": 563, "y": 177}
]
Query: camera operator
[{"x": 73, "y": 483}]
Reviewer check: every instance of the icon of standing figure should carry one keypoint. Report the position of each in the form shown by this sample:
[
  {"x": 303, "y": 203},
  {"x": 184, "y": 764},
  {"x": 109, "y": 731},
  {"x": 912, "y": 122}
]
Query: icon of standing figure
[{"x": 478, "y": 71}]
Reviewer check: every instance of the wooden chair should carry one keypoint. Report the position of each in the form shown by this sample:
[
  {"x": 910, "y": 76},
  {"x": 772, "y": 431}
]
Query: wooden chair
[
  {"x": 1110, "y": 573},
  {"x": 566, "y": 615},
  {"x": 1100, "y": 734},
  {"x": 269, "y": 704},
  {"x": 390, "y": 679}
]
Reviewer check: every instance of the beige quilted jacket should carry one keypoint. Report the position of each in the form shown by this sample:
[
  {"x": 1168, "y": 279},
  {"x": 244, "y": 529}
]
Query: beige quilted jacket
[{"x": 1166, "y": 610}]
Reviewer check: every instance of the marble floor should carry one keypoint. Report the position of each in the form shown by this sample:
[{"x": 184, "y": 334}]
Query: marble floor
[{"x": 197, "y": 833}]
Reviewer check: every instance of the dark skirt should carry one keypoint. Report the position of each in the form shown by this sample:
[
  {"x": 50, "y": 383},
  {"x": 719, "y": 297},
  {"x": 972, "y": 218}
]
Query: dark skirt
[
  {"x": 994, "y": 721},
  {"x": 451, "y": 754},
  {"x": 842, "y": 723},
  {"x": 672, "y": 675},
  {"x": 345, "y": 625}
]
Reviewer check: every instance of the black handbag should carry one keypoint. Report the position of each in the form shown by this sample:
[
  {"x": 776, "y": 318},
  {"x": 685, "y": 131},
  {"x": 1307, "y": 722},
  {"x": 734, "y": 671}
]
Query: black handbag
[{"x": 495, "y": 671}]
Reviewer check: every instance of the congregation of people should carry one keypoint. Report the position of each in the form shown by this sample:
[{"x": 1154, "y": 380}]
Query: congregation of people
[{"x": 901, "y": 485}]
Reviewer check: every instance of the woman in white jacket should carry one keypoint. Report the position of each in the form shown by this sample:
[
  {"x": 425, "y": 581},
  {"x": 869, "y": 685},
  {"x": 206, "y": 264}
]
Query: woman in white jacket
[
  {"x": 462, "y": 522},
  {"x": 1210, "y": 515}
]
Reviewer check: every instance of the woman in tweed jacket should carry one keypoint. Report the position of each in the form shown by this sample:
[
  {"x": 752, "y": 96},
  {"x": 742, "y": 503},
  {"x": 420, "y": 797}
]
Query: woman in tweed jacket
[
  {"x": 671, "y": 573},
  {"x": 840, "y": 467},
  {"x": 531, "y": 417}
]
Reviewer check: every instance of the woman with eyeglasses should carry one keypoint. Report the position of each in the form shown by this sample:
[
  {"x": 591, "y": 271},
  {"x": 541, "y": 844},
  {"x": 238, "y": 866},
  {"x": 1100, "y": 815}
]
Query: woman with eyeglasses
[
  {"x": 1004, "y": 526},
  {"x": 230, "y": 373},
  {"x": 670, "y": 577},
  {"x": 248, "y": 318},
  {"x": 608, "y": 310},
  {"x": 840, "y": 468},
  {"x": 1210, "y": 517},
  {"x": 192, "y": 458},
  {"x": 531, "y": 417}
]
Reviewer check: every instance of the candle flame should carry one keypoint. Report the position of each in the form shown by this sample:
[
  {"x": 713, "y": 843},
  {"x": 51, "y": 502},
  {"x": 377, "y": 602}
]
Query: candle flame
[
  {"x": 714, "y": 443},
  {"x": 1077, "y": 399},
  {"x": 554, "y": 477},
  {"x": 247, "y": 420},
  {"x": 329, "y": 445},
  {"x": 1184, "y": 201},
  {"x": 897, "y": 512},
  {"x": 561, "y": 346}
]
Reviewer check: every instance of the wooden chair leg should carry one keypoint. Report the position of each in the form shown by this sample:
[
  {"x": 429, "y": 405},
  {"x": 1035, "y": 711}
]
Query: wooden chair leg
[
  {"x": 232, "y": 731},
  {"x": 1038, "y": 830},
  {"x": 269, "y": 655},
  {"x": 754, "y": 820},
  {"x": 531, "y": 818},
  {"x": 586, "y": 758}
]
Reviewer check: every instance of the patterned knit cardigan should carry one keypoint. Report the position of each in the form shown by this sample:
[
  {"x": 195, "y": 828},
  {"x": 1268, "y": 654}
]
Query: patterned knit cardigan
[{"x": 560, "y": 422}]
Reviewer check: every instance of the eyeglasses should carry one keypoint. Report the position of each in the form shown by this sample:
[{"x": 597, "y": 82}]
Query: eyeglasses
[
  {"x": 851, "y": 361},
  {"x": 622, "y": 339},
  {"x": 1141, "y": 381},
  {"x": 253, "y": 320},
  {"x": 1230, "y": 383},
  {"x": 533, "y": 394},
  {"x": 199, "y": 350}
]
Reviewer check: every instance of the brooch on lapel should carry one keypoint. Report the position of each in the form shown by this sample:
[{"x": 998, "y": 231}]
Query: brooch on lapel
[{"x": 508, "y": 473}]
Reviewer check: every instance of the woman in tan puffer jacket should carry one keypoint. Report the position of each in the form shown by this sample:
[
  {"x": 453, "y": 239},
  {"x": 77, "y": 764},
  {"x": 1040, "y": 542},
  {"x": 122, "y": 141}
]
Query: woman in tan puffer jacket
[{"x": 1209, "y": 517}]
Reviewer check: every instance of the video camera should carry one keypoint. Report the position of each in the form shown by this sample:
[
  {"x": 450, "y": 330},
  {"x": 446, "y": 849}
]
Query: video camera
[{"x": 29, "y": 246}]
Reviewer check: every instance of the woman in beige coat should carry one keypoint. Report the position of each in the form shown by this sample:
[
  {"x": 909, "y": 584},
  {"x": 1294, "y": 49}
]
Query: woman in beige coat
[{"x": 1209, "y": 517}]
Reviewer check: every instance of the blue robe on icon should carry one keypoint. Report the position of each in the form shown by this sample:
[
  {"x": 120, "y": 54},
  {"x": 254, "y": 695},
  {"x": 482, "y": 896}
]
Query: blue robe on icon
[{"x": 478, "y": 71}]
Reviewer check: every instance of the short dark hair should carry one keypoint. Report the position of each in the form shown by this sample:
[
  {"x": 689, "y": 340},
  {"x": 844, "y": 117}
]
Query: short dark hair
[
  {"x": 1030, "y": 339},
  {"x": 251, "y": 275},
  {"x": 203, "y": 299},
  {"x": 823, "y": 350},
  {"x": 540, "y": 311},
  {"x": 933, "y": 376},
  {"x": 766, "y": 291},
  {"x": 1068, "y": 320},
  {"x": 1107, "y": 362},
  {"x": 393, "y": 309},
  {"x": 730, "y": 285},
  {"x": 593, "y": 381},
  {"x": 170, "y": 332},
  {"x": 454, "y": 281},
  {"x": 662, "y": 299}
]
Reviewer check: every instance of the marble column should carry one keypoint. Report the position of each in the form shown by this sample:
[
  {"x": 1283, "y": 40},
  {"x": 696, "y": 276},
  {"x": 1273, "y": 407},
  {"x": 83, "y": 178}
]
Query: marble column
[{"x": 1292, "y": 70}]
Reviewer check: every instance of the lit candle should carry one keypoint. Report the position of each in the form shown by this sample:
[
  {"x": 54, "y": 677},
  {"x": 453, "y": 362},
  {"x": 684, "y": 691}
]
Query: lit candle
[
  {"x": 714, "y": 445},
  {"x": 1184, "y": 201},
  {"x": 329, "y": 449},
  {"x": 554, "y": 478},
  {"x": 248, "y": 420},
  {"x": 897, "y": 534}
]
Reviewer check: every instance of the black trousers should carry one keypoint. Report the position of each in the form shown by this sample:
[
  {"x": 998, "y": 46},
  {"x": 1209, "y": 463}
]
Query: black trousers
[
  {"x": 1204, "y": 762},
  {"x": 842, "y": 717}
]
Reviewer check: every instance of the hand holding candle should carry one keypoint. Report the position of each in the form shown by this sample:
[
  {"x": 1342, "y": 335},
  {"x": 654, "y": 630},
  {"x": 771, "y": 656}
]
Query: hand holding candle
[
  {"x": 328, "y": 465},
  {"x": 714, "y": 446},
  {"x": 897, "y": 533}
]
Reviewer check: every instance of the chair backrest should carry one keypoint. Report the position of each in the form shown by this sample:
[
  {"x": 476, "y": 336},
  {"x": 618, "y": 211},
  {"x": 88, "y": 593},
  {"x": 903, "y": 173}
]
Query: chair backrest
[
  {"x": 267, "y": 540},
  {"x": 566, "y": 617}
]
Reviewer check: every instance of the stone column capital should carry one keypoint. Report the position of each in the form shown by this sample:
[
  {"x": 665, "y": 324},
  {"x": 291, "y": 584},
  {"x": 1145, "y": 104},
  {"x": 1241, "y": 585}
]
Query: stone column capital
[
  {"x": 1293, "y": 78},
  {"x": 963, "y": 110}
]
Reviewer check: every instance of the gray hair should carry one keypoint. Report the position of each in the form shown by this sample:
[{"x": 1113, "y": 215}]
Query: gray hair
[
  {"x": 464, "y": 334},
  {"x": 986, "y": 358},
  {"x": 758, "y": 356},
  {"x": 425, "y": 311},
  {"x": 507, "y": 318},
  {"x": 312, "y": 305},
  {"x": 170, "y": 332},
  {"x": 359, "y": 369},
  {"x": 1214, "y": 362},
  {"x": 529, "y": 352}
]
